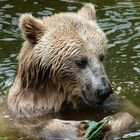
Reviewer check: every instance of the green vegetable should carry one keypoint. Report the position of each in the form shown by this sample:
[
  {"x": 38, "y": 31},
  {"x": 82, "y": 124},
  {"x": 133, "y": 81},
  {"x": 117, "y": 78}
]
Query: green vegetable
[{"x": 95, "y": 129}]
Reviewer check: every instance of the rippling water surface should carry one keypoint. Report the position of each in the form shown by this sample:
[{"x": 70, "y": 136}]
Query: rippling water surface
[{"x": 120, "y": 20}]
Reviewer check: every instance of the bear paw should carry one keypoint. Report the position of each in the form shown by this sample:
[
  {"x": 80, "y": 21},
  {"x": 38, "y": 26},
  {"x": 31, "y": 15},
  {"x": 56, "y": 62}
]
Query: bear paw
[{"x": 82, "y": 128}]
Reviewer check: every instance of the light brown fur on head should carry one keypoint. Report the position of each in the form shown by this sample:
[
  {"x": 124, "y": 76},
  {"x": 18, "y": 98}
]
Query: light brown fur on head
[{"x": 51, "y": 62}]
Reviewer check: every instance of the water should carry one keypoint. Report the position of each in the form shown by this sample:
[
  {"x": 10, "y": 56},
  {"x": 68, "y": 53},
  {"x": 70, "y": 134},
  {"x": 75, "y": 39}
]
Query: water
[{"x": 119, "y": 19}]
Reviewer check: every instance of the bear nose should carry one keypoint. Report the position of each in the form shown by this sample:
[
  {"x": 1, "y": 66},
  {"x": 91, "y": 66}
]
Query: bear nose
[
  {"x": 104, "y": 93},
  {"x": 105, "y": 90}
]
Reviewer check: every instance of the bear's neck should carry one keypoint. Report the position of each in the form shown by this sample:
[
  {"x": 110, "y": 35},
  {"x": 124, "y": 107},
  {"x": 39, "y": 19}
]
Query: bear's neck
[{"x": 34, "y": 102}]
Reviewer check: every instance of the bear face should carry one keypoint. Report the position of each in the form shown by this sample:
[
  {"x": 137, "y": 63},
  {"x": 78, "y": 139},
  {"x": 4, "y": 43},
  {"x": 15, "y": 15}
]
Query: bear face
[{"x": 63, "y": 53}]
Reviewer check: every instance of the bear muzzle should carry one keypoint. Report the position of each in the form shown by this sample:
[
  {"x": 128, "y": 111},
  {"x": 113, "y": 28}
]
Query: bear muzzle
[
  {"x": 98, "y": 96},
  {"x": 103, "y": 93}
]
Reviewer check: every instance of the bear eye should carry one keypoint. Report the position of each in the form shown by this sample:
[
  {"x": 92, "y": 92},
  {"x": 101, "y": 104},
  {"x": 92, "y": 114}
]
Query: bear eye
[
  {"x": 101, "y": 57},
  {"x": 81, "y": 63}
]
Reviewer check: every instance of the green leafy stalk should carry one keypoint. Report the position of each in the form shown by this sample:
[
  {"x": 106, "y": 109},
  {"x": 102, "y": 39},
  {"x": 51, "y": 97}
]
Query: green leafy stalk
[{"x": 91, "y": 134}]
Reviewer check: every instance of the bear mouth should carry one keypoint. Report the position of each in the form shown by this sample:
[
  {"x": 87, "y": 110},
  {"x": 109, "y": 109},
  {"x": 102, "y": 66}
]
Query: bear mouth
[{"x": 88, "y": 101}]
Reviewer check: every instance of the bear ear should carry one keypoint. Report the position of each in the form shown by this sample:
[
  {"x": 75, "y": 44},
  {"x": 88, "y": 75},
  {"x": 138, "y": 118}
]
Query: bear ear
[
  {"x": 31, "y": 27},
  {"x": 88, "y": 11}
]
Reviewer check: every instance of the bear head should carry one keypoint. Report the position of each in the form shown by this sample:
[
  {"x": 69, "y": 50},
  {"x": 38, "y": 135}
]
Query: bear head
[{"x": 64, "y": 52}]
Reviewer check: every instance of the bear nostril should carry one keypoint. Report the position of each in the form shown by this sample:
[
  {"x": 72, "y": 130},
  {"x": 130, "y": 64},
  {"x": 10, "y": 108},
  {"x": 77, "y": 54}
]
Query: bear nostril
[
  {"x": 105, "y": 89},
  {"x": 104, "y": 93}
]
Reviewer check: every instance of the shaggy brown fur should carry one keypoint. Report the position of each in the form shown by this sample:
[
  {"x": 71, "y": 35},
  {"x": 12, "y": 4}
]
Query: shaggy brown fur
[{"x": 47, "y": 74}]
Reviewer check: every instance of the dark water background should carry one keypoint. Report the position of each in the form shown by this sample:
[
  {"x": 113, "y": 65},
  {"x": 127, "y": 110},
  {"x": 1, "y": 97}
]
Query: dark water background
[{"x": 119, "y": 19}]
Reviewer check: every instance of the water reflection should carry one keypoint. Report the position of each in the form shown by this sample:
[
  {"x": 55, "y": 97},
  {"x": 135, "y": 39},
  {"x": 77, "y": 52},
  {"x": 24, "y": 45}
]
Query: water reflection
[{"x": 119, "y": 19}]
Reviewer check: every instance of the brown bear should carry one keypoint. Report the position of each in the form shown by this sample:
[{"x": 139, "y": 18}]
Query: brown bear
[{"x": 61, "y": 61}]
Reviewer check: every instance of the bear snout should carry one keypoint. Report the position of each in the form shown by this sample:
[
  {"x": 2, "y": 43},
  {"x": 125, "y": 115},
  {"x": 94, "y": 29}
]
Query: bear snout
[
  {"x": 104, "y": 91},
  {"x": 96, "y": 96}
]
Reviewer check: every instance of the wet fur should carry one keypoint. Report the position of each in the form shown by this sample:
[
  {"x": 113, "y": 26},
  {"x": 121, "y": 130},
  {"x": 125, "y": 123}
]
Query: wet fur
[
  {"x": 42, "y": 80},
  {"x": 41, "y": 85}
]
